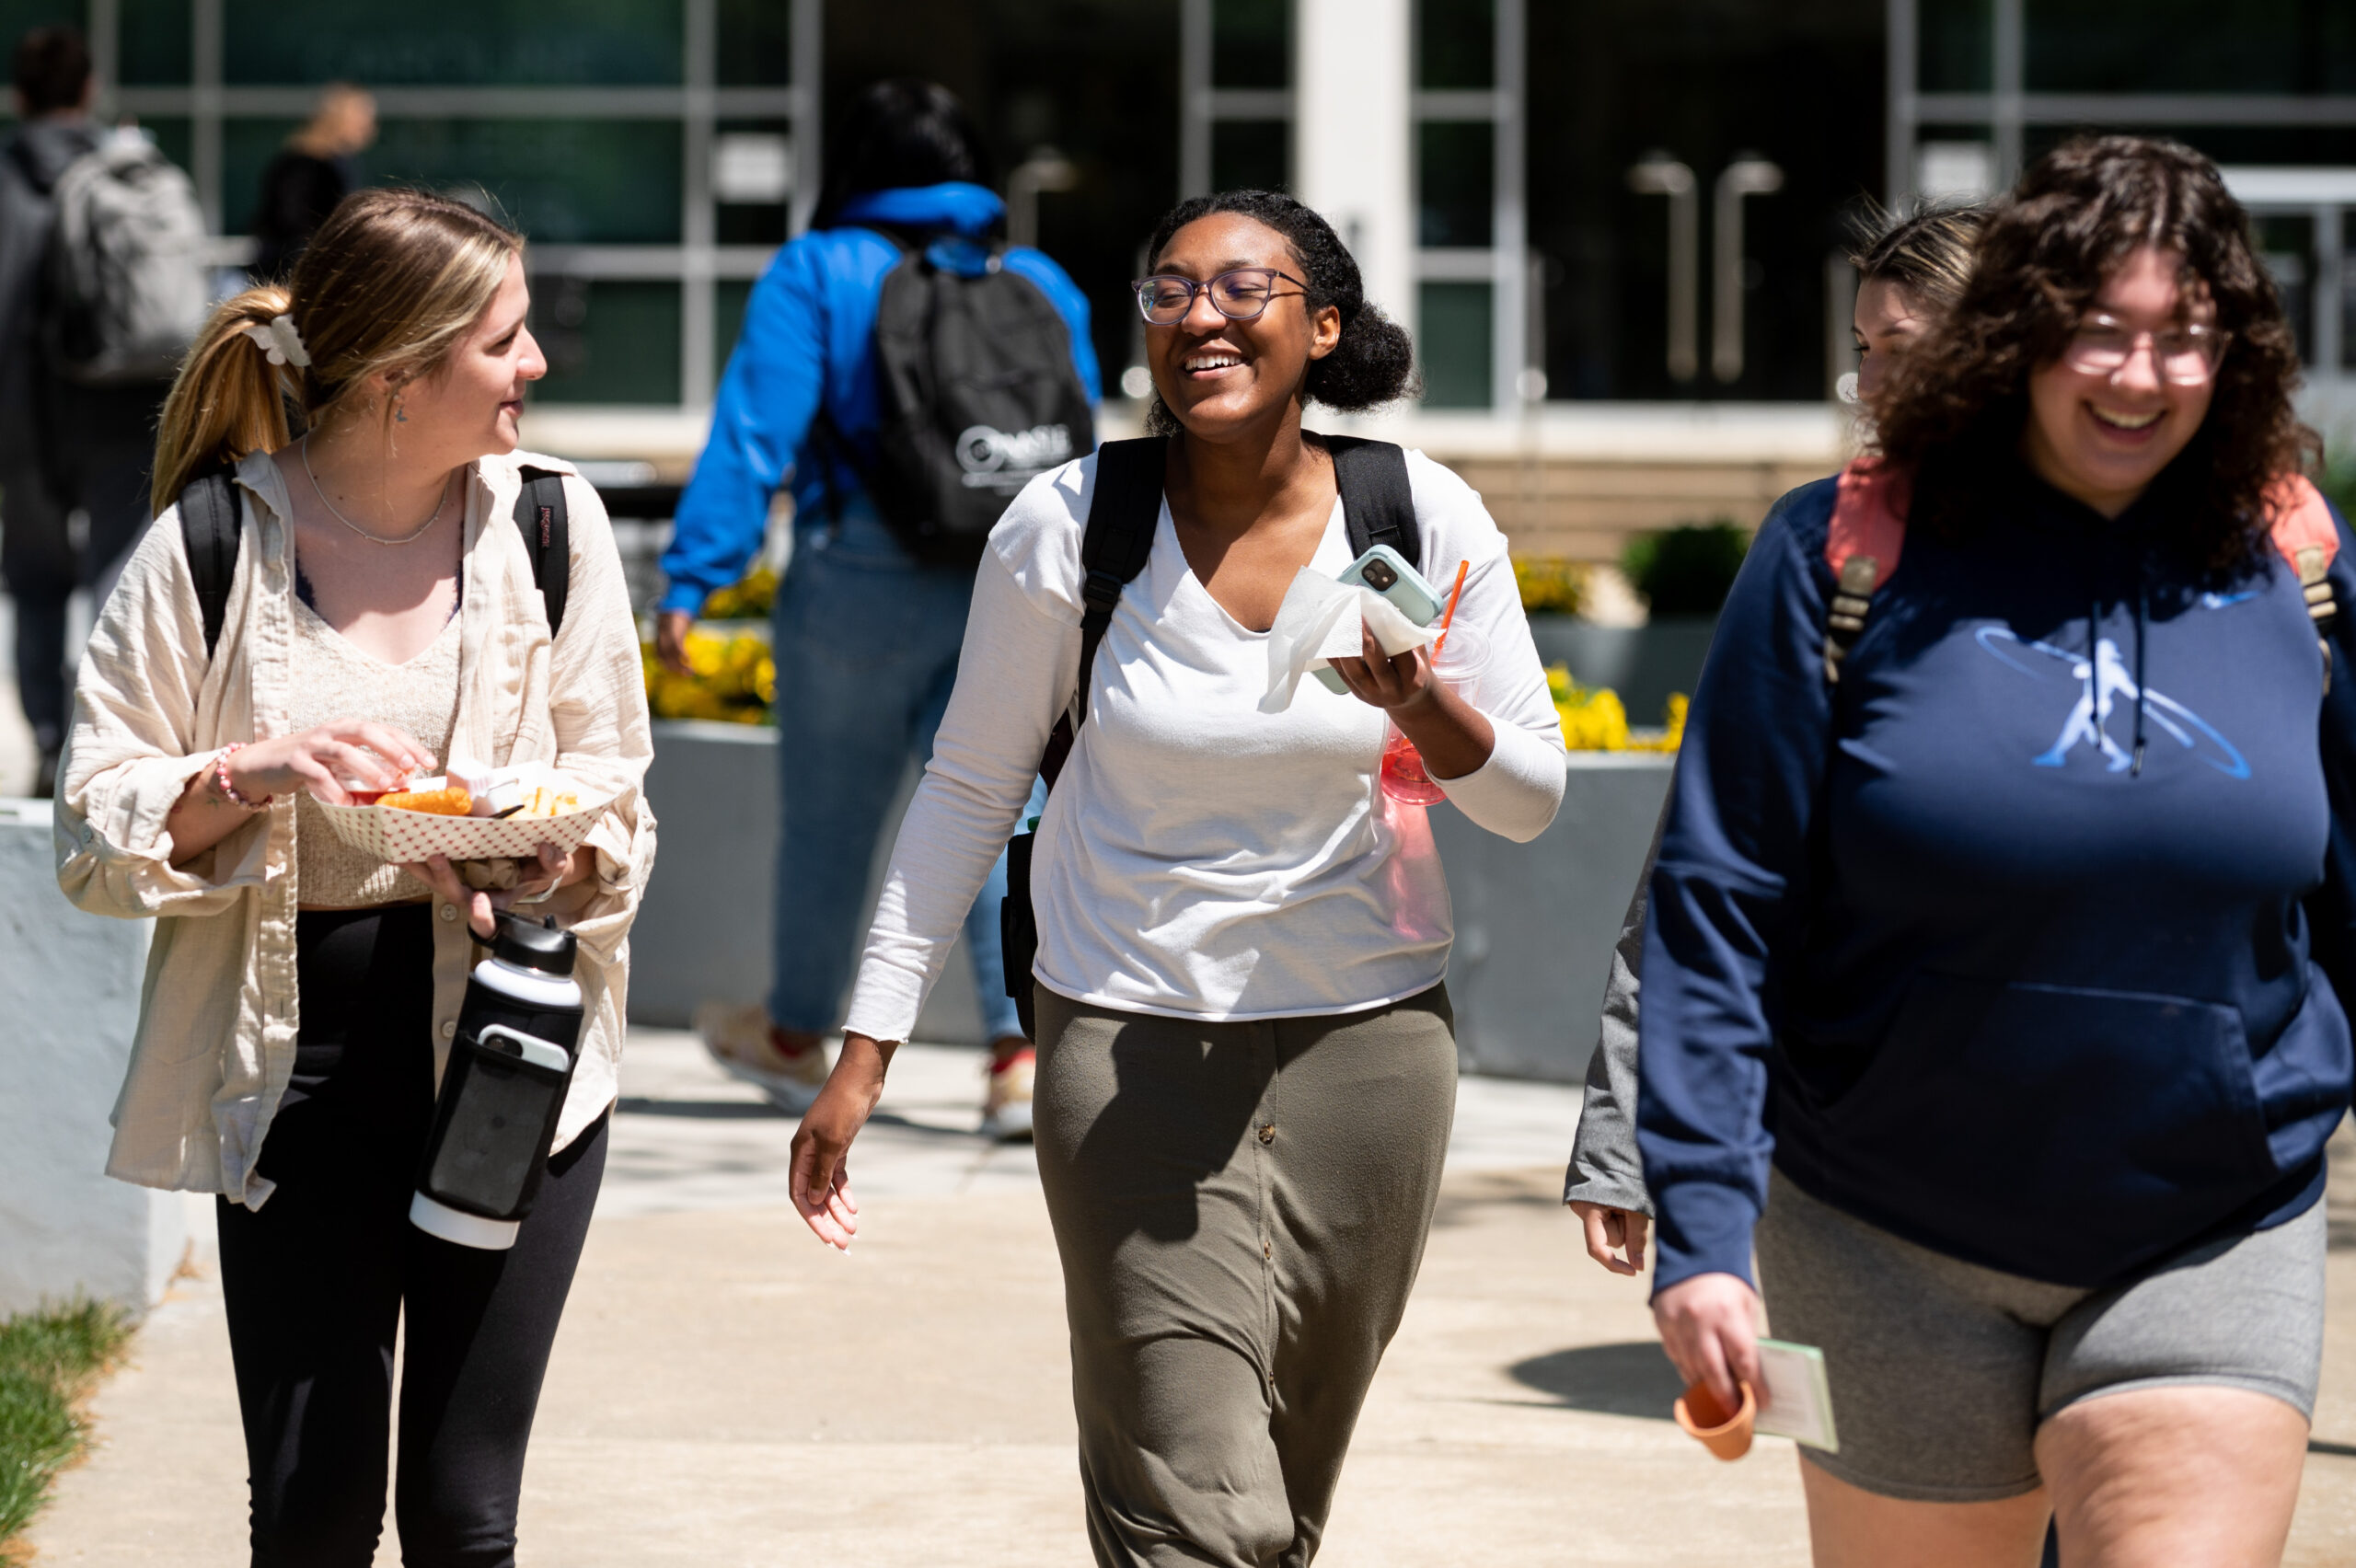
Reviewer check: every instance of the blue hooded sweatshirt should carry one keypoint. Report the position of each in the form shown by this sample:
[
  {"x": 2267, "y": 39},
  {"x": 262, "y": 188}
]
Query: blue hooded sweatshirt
[
  {"x": 1930, "y": 939},
  {"x": 808, "y": 341}
]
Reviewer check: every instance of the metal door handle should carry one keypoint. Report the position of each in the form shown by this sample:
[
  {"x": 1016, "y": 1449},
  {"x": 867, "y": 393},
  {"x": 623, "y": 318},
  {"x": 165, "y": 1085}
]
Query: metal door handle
[
  {"x": 1744, "y": 177},
  {"x": 1660, "y": 175}
]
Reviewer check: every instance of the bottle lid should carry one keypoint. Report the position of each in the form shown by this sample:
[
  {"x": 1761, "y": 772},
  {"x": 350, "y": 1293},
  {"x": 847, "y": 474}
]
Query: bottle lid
[{"x": 529, "y": 946}]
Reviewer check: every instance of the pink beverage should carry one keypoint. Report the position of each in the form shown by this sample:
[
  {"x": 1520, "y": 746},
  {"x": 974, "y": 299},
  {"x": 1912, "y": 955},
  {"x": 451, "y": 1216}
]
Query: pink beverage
[
  {"x": 1403, "y": 779},
  {"x": 1459, "y": 662}
]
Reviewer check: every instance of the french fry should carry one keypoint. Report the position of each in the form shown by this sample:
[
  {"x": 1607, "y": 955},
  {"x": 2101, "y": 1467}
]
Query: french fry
[{"x": 449, "y": 802}]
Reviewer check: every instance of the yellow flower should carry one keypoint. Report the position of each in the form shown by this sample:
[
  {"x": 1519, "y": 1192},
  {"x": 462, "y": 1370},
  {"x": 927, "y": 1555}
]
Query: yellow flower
[
  {"x": 1551, "y": 584},
  {"x": 747, "y": 600},
  {"x": 732, "y": 679},
  {"x": 1594, "y": 719}
]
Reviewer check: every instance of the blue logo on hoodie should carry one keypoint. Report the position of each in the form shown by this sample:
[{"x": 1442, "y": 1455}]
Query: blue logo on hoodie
[{"x": 2101, "y": 682}]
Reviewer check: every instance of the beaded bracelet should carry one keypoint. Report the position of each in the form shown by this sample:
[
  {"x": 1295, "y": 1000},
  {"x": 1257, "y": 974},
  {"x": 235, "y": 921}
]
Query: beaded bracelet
[{"x": 221, "y": 777}]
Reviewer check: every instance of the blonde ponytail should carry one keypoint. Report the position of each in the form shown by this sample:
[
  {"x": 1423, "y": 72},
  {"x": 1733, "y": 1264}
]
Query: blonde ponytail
[
  {"x": 228, "y": 401},
  {"x": 389, "y": 285}
]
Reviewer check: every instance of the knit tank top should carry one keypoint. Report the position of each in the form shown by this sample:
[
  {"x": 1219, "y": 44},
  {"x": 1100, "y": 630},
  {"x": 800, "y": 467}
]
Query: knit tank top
[{"x": 334, "y": 679}]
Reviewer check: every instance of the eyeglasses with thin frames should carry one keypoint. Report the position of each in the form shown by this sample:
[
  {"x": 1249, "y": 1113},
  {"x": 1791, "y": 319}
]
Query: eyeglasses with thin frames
[
  {"x": 1243, "y": 295},
  {"x": 2187, "y": 355}
]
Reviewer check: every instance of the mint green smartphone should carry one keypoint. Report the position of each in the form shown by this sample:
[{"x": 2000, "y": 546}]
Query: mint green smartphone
[{"x": 1386, "y": 571}]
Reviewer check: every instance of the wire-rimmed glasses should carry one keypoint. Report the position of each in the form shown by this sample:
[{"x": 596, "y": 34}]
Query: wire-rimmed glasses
[
  {"x": 2188, "y": 354},
  {"x": 1240, "y": 295}
]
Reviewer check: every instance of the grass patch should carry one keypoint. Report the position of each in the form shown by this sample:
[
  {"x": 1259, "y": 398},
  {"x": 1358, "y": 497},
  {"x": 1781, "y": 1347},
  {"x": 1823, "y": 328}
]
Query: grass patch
[{"x": 48, "y": 1361}]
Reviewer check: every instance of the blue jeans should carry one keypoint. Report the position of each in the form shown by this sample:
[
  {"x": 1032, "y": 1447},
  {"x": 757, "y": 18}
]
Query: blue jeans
[{"x": 866, "y": 645}]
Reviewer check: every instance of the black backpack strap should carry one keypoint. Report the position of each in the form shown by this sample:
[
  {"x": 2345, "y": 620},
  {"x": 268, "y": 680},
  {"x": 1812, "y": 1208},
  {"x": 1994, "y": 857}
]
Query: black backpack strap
[
  {"x": 209, "y": 533},
  {"x": 1378, "y": 505},
  {"x": 1121, "y": 517},
  {"x": 548, "y": 538}
]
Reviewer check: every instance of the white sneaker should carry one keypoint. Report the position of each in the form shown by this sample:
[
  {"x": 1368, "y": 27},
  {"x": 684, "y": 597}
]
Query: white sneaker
[
  {"x": 745, "y": 1044},
  {"x": 1006, "y": 1109}
]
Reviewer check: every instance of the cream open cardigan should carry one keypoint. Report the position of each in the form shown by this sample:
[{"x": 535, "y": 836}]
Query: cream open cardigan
[{"x": 215, "y": 1041}]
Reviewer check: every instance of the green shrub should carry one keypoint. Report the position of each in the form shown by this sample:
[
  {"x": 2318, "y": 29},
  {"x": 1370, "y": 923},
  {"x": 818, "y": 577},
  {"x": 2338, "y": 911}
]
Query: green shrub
[
  {"x": 48, "y": 1360},
  {"x": 1686, "y": 571},
  {"x": 2340, "y": 483}
]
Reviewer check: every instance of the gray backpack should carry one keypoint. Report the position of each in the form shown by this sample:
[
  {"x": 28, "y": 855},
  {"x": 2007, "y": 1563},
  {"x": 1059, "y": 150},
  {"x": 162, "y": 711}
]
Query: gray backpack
[{"x": 126, "y": 281}]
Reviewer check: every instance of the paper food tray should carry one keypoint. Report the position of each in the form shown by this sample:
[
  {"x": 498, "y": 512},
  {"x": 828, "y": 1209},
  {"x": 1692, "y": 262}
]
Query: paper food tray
[{"x": 402, "y": 837}]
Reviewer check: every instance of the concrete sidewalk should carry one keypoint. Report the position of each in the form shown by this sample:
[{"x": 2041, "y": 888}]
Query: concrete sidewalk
[{"x": 727, "y": 1392}]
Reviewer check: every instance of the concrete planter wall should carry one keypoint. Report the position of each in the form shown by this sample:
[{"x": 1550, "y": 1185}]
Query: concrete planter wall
[
  {"x": 703, "y": 933},
  {"x": 1643, "y": 663},
  {"x": 1535, "y": 922},
  {"x": 69, "y": 988}
]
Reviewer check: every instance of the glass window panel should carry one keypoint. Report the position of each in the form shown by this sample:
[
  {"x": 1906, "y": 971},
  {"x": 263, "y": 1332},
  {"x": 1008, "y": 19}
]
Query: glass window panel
[
  {"x": 1251, "y": 155},
  {"x": 154, "y": 43},
  {"x": 1455, "y": 43},
  {"x": 174, "y": 136},
  {"x": 2347, "y": 291},
  {"x": 247, "y": 147},
  {"x": 753, "y": 223},
  {"x": 2286, "y": 249},
  {"x": 1453, "y": 341},
  {"x": 2226, "y": 145},
  {"x": 756, "y": 44},
  {"x": 19, "y": 17},
  {"x": 562, "y": 182},
  {"x": 606, "y": 342},
  {"x": 1456, "y": 170},
  {"x": 729, "y": 297},
  {"x": 1252, "y": 43},
  {"x": 2250, "y": 46},
  {"x": 454, "y": 43},
  {"x": 1957, "y": 39}
]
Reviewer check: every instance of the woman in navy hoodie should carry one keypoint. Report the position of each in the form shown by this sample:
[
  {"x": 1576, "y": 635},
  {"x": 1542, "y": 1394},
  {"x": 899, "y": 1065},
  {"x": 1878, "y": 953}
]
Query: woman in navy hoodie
[{"x": 1989, "y": 986}]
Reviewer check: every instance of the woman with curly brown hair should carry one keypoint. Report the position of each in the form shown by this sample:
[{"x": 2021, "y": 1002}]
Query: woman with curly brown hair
[{"x": 2016, "y": 913}]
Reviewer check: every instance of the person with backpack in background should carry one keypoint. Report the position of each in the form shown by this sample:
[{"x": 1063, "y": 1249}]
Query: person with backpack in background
[
  {"x": 1909, "y": 270},
  {"x": 906, "y": 373},
  {"x": 1247, "y": 1062},
  {"x": 101, "y": 288},
  {"x": 317, "y": 611},
  {"x": 1994, "y": 962},
  {"x": 311, "y": 173}
]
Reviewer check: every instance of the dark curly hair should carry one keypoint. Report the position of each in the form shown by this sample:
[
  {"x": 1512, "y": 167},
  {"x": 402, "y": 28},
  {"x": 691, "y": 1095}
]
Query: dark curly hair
[
  {"x": 1956, "y": 403},
  {"x": 1373, "y": 364}
]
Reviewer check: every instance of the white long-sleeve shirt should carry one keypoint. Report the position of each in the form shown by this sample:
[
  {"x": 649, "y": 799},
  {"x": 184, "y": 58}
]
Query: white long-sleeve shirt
[{"x": 1198, "y": 859}]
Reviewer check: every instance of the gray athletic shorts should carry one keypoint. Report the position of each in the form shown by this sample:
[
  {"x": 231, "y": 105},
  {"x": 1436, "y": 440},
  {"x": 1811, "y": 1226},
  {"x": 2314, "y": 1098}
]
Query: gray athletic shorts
[{"x": 1942, "y": 1370}]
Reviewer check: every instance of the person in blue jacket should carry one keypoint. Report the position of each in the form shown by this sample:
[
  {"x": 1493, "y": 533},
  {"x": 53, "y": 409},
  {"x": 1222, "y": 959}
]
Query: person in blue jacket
[
  {"x": 1993, "y": 990},
  {"x": 866, "y": 637}
]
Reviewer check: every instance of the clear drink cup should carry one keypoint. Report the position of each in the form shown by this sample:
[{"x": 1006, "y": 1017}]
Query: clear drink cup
[{"x": 1458, "y": 661}]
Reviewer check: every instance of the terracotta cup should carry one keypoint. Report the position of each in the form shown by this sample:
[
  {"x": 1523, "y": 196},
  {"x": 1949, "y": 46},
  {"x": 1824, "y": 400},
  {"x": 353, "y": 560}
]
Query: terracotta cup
[{"x": 1706, "y": 1421}]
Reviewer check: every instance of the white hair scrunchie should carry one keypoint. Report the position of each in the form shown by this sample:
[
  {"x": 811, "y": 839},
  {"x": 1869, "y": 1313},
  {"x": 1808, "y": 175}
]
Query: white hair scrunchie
[{"x": 281, "y": 341}]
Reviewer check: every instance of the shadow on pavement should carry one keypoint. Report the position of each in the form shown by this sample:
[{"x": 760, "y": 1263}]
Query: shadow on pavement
[{"x": 1634, "y": 1379}]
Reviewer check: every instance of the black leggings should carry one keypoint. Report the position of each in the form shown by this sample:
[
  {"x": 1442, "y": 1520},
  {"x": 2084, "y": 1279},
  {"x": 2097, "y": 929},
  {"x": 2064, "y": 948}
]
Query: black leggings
[{"x": 319, "y": 1277}]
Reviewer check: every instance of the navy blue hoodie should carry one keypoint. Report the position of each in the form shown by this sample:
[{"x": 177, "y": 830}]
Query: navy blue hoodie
[{"x": 1933, "y": 943}]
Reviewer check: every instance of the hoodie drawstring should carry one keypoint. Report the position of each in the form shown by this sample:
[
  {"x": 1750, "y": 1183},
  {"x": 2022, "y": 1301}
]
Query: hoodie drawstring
[
  {"x": 2141, "y": 637},
  {"x": 2143, "y": 640}
]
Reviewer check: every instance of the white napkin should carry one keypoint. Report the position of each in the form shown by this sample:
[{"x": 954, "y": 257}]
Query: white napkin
[{"x": 1322, "y": 620}]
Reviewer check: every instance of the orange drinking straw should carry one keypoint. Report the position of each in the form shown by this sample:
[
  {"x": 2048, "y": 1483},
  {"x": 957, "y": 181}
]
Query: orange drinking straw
[{"x": 1453, "y": 595}]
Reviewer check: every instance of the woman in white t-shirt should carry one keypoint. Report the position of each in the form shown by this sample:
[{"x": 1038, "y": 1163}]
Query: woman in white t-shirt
[{"x": 1246, "y": 1061}]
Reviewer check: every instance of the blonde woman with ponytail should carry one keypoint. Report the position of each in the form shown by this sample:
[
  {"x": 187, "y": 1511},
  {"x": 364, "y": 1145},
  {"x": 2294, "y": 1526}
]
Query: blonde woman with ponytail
[{"x": 382, "y": 617}]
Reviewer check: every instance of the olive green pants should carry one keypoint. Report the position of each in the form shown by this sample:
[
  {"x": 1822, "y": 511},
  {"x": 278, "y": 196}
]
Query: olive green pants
[{"x": 1241, "y": 1208}]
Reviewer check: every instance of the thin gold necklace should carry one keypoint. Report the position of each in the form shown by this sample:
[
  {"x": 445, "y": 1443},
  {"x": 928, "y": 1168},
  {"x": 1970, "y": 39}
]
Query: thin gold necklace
[{"x": 318, "y": 489}]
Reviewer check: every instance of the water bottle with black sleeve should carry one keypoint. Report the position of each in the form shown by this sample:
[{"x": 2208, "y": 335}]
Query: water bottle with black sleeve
[{"x": 511, "y": 1060}]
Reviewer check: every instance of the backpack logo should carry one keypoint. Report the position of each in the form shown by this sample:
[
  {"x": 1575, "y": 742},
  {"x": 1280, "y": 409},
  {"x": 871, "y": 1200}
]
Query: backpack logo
[{"x": 1000, "y": 458}]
